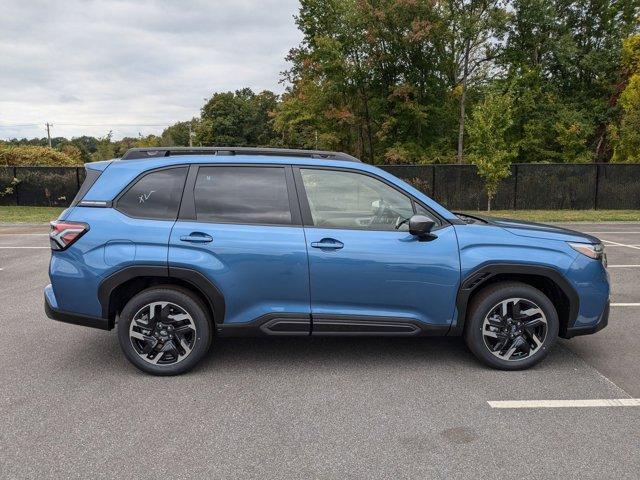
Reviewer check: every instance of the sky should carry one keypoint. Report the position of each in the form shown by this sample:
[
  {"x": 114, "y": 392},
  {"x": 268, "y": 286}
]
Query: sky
[{"x": 133, "y": 67}]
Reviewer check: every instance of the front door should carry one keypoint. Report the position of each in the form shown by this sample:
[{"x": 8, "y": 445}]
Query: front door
[
  {"x": 368, "y": 274},
  {"x": 237, "y": 227}
]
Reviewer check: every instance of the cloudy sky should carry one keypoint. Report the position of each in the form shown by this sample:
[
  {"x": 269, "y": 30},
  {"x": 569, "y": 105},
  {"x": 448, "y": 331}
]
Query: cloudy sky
[{"x": 132, "y": 66}]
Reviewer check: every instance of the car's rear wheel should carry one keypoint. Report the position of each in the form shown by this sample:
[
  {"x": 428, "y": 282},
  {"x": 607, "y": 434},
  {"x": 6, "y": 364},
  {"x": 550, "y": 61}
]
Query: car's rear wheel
[
  {"x": 164, "y": 330},
  {"x": 511, "y": 326}
]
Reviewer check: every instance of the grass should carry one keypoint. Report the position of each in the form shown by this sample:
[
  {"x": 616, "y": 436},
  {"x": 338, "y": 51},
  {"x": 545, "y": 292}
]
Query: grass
[
  {"x": 11, "y": 214},
  {"x": 566, "y": 215}
]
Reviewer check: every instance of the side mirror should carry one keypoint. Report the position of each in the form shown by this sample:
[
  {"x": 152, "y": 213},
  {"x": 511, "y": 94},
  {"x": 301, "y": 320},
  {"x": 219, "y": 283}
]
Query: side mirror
[{"x": 421, "y": 227}]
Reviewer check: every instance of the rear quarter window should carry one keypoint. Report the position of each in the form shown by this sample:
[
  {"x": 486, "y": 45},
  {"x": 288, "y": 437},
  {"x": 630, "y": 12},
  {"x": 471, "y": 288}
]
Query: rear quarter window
[
  {"x": 156, "y": 195},
  {"x": 90, "y": 178}
]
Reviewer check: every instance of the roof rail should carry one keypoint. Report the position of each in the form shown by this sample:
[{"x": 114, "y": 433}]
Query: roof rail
[{"x": 155, "y": 152}]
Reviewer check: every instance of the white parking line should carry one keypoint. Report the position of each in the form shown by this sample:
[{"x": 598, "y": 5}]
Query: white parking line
[
  {"x": 603, "y": 402},
  {"x": 627, "y": 231},
  {"x": 625, "y": 305},
  {"x": 620, "y": 244},
  {"x": 623, "y": 266},
  {"x": 21, "y": 234},
  {"x": 11, "y": 248}
]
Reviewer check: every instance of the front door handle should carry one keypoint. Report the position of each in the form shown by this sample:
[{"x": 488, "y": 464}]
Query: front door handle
[
  {"x": 197, "y": 237},
  {"x": 328, "y": 243}
]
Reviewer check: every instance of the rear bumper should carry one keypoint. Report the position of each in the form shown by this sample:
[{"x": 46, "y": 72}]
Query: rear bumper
[
  {"x": 73, "y": 318},
  {"x": 587, "y": 330}
]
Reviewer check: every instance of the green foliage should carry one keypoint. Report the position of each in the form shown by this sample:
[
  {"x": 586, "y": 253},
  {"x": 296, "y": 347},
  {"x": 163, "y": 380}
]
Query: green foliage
[
  {"x": 490, "y": 150},
  {"x": 562, "y": 59},
  {"x": 9, "y": 188},
  {"x": 105, "y": 149},
  {"x": 30, "y": 155},
  {"x": 240, "y": 118},
  {"x": 389, "y": 81},
  {"x": 627, "y": 134},
  {"x": 177, "y": 135}
]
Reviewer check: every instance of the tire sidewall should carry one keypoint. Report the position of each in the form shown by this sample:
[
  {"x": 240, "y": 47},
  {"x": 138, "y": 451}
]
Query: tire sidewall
[
  {"x": 490, "y": 298},
  {"x": 185, "y": 301}
]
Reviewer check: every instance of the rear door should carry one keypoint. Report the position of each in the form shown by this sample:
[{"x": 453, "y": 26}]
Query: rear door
[
  {"x": 368, "y": 274},
  {"x": 240, "y": 227}
]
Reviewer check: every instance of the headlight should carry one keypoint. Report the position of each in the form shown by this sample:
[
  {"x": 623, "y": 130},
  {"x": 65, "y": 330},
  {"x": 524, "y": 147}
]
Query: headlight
[{"x": 591, "y": 250}]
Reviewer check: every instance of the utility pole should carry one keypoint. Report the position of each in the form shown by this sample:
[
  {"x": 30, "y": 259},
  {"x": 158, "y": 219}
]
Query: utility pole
[{"x": 49, "y": 132}]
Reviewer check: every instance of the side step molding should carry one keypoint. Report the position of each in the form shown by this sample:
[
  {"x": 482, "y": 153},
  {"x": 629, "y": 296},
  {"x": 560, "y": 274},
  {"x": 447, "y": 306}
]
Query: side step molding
[
  {"x": 331, "y": 326},
  {"x": 283, "y": 324}
]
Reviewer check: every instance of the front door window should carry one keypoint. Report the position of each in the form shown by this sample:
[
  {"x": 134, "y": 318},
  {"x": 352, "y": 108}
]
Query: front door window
[{"x": 348, "y": 200}]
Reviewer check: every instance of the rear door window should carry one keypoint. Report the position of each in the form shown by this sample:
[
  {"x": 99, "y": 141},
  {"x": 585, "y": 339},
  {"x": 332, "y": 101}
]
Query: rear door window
[
  {"x": 243, "y": 195},
  {"x": 155, "y": 196}
]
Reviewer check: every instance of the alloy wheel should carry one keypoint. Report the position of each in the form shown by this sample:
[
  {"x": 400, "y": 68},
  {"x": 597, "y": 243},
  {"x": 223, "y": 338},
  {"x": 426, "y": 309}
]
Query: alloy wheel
[
  {"x": 162, "y": 333},
  {"x": 514, "y": 329}
]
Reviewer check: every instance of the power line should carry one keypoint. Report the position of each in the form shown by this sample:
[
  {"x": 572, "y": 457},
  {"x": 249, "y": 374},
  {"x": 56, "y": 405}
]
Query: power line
[
  {"x": 12, "y": 125},
  {"x": 115, "y": 124}
]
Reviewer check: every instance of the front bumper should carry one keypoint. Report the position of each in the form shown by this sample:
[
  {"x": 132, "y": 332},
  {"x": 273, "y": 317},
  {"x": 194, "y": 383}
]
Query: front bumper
[
  {"x": 54, "y": 313},
  {"x": 587, "y": 330}
]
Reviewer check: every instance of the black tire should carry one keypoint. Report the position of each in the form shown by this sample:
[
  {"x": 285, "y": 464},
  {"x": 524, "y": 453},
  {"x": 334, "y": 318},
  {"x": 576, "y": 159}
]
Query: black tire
[
  {"x": 199, "y": 340},
  {"x": 489, "y": 301}
]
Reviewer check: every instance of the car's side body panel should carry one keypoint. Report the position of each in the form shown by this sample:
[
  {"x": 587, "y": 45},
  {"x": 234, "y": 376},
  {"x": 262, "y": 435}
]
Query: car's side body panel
[
  {"x": 584, "y": 279},
  {"x": 385, "y": 274},
  {"x": 114, "y": 241},
  {"x": 259, "y": 269}
]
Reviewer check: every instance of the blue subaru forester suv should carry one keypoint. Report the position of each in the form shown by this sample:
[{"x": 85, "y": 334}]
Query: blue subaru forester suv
[{"x": 177, "y": 246}]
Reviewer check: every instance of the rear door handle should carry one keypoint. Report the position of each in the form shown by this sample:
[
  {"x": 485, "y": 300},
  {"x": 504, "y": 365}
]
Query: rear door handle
[
  {"x": 197, "y": 237},
  {"x": 328, "y": 243}
]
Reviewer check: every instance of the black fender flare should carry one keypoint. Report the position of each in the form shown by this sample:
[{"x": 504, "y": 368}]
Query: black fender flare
[
  {"x": 196, "y": 279},
  {"x": 479, "y": 277}
]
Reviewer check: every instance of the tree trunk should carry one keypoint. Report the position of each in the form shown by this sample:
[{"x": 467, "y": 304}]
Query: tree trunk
[
  {"x": 463, "y": 98},
  {"x": 488, "y": 203}
]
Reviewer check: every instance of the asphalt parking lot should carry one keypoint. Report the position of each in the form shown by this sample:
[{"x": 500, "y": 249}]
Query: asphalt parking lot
[{"x": 72, "y": 406}]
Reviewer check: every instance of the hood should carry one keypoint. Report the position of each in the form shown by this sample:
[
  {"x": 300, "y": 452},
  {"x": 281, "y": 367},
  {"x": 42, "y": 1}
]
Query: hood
[{"x": 535, "y": 230}]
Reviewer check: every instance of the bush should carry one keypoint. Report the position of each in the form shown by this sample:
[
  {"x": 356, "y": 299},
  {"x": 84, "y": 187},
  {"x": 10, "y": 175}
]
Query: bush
[{"x": 35, "y": 156}]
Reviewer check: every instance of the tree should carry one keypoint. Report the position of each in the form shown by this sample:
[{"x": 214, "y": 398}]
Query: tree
[
  {"x": 627, "y": 134},
  {"x": 71, "y": 151},
  {"x": 367, "y": 78},
  {"x": 562, "y": 61},
  {"x": 490, "y": 148},
  {"x": 475, "y": 30},
  {"x": 240, "y": 118},
  {"x": 104, "y": 148},
  {"x": 178, "y": 133}
]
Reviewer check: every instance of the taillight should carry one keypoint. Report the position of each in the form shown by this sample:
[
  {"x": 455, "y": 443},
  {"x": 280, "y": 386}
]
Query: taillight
[{"x": 63, "y": 234}]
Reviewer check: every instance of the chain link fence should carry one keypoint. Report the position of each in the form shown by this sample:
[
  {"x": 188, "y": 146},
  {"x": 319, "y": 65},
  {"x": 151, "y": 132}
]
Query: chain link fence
[{"x": 530, "y": 186}]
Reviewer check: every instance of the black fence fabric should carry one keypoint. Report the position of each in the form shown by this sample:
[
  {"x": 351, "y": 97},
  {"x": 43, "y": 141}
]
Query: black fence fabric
[
  {"x": 531, "y": 186},
  {"x": 39, "y": 186}
]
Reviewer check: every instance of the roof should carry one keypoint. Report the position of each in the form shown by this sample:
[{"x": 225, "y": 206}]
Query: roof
[{"x": 155, "y": 152}]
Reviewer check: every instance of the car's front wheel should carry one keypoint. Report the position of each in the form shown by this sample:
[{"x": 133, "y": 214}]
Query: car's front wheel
[
  {"x": 511, "y": 326},
  {"x": 164, "y": 330}
]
